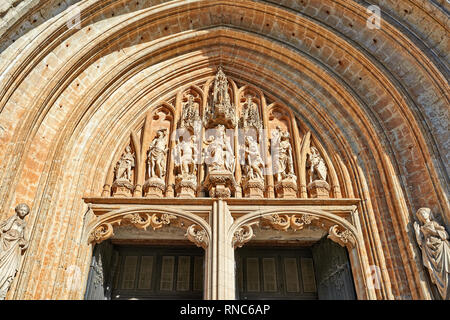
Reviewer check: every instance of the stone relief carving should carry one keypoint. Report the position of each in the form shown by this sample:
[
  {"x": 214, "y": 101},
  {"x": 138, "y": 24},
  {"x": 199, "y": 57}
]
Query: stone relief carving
[
  {"x": 284, "y": 222},
  {"x": 13, "y": 244},
  {"x": 140, "y": 220},
  {"x": 281, "y": 171},
  {"x": 433, "y": 241}
]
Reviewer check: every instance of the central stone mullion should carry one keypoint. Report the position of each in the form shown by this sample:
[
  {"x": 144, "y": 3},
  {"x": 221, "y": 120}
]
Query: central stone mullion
[{"x": 220, "y": 276}]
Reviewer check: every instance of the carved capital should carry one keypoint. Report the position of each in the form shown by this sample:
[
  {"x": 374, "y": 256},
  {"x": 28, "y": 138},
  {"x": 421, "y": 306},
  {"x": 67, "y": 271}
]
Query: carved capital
[{"x": 344, "y": 237}]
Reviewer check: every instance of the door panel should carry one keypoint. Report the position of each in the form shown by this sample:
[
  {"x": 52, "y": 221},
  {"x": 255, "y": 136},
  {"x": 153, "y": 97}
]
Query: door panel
[
  {"x": 273, "y": 273},
  {"x": 100, "y": 273},
  {"x": 159, "y": 273},
  {"x": 333, "y": 272}
]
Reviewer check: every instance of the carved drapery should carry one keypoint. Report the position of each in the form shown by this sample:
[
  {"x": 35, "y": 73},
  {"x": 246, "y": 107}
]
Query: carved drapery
[{"x": 220, "y": 138}]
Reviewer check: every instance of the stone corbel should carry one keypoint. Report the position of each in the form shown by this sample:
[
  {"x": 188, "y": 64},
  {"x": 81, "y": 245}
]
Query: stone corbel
[
  {"x": 197, "y": 235},
  {"x": 242, "y": 235},
  {"x": 342, "y": 236}
]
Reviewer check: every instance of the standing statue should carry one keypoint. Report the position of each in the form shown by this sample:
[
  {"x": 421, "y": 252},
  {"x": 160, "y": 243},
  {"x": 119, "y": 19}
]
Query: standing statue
[
  {"x": 124, "y": 166},
  {"x": 157, "y": 155},
  {"x": 220, "y": 93},
  {"x": 219, "y": 152},
  {"x": 186, "y": 156},
  {"x": 253, "y": 161},
  {"x": 318, "y": 169},
  {"x": 12, "y": 245},
  {"x": 250, "y": 115},
  {"x": 190, "y": 117},
  {"x": 284, "y": 163},
  {"x": 433, "y": 241}
]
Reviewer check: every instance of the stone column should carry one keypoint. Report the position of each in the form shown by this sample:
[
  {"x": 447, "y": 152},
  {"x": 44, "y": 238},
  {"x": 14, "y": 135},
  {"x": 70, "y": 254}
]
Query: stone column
[
  {"x": 268, "y": 170},
  {"x": 219, "y": 257}
]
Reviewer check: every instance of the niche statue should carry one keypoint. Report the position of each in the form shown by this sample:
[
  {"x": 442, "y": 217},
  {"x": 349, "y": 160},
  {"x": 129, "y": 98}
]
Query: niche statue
[
  {"x": 433, "y": 241},
  {"x": 12, "y": 246}
]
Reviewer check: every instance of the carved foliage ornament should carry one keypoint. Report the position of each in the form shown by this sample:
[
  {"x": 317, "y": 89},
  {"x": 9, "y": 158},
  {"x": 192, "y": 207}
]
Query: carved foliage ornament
[
  {"x": 139, "y": 220},
  {"x": 197, "y": 235},
  {"x": 284, "y": 222},
  {"x": 242, "y": 236},
  {"x": 344, "y": 237}
]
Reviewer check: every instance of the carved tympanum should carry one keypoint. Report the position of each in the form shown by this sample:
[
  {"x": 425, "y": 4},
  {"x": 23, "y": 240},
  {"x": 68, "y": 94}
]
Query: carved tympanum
[
  {"x": 12, "y": 245},
  {"x": 433, "y": 241}
]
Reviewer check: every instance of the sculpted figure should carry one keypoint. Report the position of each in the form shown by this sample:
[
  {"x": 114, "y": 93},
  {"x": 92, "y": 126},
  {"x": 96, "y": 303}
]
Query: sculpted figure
[
  {"x": 220, "y": 93},
  {"x": 253, "y": 159},
  {"x": 157, "y": 155},
  {"x": 124, "y": 165},
  {"x": 250, "y": 115},
  {"x": 284, "y": 164},
  {"x": 318, "y": 169},
  {"x": 433, "y": 241},
  {"x": 186, "y": 154},
  {"x": 190, "y": 117},
  {"x": 12, "y": 245},
  {"x": 219, "y": 151}
]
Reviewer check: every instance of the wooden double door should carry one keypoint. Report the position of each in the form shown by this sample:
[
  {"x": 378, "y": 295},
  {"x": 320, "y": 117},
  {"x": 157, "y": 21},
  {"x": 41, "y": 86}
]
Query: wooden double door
[{"x": 321, "y": 271}]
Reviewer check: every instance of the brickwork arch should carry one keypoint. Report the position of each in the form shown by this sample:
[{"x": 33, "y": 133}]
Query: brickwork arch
[{"x": 67, "y": 95}]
